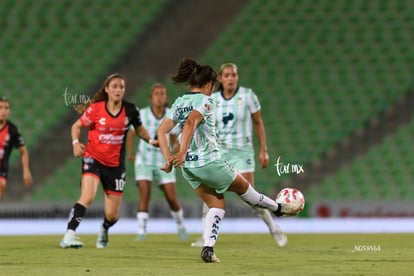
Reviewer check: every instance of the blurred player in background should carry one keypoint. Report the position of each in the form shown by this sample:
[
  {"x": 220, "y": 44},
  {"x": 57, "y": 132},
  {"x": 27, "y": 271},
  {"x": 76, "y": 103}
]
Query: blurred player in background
[
  {"x": 203, "y": 167},
  {"x": 149, "y": 160},
  {"x": 108, "y": 118},
  {"x": 10, "y": 138},
  {"x": 238, "y": 108}
]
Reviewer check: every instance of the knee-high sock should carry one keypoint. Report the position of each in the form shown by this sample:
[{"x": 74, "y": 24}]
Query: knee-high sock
[
  {"x": 253, "y": 198},
  {"x": 178, "y": 216},
  {"x": 75, "y": 216},
  {"x": 212, "y": 226},
  {"x": 142, "y": 222}
]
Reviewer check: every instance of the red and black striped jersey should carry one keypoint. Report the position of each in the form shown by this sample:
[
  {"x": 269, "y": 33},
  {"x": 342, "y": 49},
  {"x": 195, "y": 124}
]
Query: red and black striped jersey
[
  {"x": 9, "y": 138},
  {"x": 107, "y": 132}
]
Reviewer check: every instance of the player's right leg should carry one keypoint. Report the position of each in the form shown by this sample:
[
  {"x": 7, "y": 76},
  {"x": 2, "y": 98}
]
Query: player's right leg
[
  {"x": 249, "y": 195},
  {"x": 144, "y": 187},
  {"x": 89, "y": 188}
]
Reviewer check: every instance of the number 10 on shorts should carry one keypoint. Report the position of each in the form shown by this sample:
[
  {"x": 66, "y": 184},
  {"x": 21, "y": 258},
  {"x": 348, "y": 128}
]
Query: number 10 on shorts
[{"x": 119, "y": 184}]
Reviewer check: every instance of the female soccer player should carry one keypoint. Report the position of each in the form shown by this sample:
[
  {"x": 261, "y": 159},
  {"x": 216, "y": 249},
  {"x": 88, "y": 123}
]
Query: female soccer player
[
  {"x": 206, "y": 171},
  {"x": 237, "y": 108},
  {"x": 10, "y": 138},
  {"x": 108, "y": 118},
  {"x": 148, "y": 161}
]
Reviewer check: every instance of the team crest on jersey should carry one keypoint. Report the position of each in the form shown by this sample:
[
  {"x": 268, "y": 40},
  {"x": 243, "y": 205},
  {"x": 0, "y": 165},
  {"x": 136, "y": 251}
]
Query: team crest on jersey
[{"x": 239, "y": 100}]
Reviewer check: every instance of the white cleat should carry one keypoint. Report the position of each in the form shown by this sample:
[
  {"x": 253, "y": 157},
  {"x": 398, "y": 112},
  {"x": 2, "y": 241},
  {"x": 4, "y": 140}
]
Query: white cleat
[
  {"x": 198, "y": 243},
  {"x": 280, "y": 238},
  {"x": 102, "y": 241},
  {"x": 70, "y": 241},
  {"x": 182, "y": 233}
]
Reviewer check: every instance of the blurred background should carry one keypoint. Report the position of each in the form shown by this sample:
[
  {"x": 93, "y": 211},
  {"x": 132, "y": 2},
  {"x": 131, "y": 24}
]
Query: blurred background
[{"x": 335, "y": 80}]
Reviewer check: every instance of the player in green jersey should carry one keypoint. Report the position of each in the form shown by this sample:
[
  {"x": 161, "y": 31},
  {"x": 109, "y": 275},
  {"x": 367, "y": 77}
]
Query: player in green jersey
[
  {"x": 203, "y": 167},
  {"x": 149, "y": 159},
  {"x": 238, "y": 112}
]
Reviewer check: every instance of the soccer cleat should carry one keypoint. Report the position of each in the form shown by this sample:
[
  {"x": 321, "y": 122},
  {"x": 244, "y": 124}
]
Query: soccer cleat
[
  {"x": 140, "y": 237},
  {"x": 70, "y": 241},
  {"x": 288, "y": 209},
  {"x": 198, "y": 243},
  {"x": 208, "y": 256},
  {"x": 182, "y": 233},
  {"x": 102, "y": 241},
  {"x": 280, "y": 238}
]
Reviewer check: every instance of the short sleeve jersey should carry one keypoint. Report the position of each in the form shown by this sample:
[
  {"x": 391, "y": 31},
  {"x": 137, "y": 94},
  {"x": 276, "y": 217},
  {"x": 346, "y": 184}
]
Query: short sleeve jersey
[
  {"x": 234, "y": 117},
  {"x": 10, "y": 138},
  {"x": 203, "y": 147},
  {"x": 107, "y": 132},
  {"x": 147, "y": 154}
]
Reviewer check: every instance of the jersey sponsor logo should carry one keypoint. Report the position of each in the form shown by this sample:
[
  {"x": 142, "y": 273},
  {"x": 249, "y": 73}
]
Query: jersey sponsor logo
[
  {"x": 111, "y": 139},
  {"x": 227, "y": 117},
  {"x": 181, "y": 111},
  {"x": 102, "y": 121},
  {"x": 191, "y": 157}
]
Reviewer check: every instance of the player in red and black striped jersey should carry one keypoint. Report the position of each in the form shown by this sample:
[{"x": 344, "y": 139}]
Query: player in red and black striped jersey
[
  {"x": 10, "y": 138},
  {"x": 108, "y": 118}
]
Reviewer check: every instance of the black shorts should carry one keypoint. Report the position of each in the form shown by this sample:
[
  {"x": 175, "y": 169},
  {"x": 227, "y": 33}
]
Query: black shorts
[
  {"x": 113, "y": 179},
  {"x": 3, "y": 175}
]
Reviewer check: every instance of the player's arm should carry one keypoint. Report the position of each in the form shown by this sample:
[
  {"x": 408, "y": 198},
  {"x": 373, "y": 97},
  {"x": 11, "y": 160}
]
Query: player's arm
[
  {"x": 163, "y": 130},
  {"x": 27, "y": 175},
  {"x": 78, "y": 147},
  {"x": 174, "y": 143},
  {"x": 142, "y": 133},
  {"x": 130, "y": 145},
  {"x": 190, "y": 125},
  {"x": 261, "y": 136}
]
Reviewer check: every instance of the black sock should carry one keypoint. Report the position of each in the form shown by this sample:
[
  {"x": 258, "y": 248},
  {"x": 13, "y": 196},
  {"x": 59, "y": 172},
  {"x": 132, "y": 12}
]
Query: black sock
[
  {"x": 75, "y": 217},
  {"x": 106, "y": 224}
]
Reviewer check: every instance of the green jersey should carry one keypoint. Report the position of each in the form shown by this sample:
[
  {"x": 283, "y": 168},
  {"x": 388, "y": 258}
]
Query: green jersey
[
  {"x": 146, "y": 153},
  {"x": 203, "y": 147},
  {"x": 234, "y": 118}
]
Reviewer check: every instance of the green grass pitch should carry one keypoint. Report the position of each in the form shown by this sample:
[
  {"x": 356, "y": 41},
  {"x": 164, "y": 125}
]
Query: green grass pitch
[{"x": 240, "y": 254}]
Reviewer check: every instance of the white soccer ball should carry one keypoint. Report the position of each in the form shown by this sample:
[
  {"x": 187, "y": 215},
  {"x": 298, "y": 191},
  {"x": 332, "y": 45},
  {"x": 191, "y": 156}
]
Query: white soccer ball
[{"x": 288, "y": 195}]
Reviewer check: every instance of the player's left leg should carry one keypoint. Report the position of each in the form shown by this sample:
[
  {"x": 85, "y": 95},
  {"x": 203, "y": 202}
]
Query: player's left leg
[
  {"x": 176, "y": 210},
  {"x": 112, "y": 203},
  {"x": 266, "y": 216},
  {"x": 3, "y": 184},
  {"x": 214, "y": 216}
]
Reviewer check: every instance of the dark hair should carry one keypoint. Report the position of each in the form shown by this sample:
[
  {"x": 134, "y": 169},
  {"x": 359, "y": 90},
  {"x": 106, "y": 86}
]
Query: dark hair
[
  {"x": 4, "y": 99},
  {"x": 101, "y": 95},
  {"x": 194, "y": 74}
]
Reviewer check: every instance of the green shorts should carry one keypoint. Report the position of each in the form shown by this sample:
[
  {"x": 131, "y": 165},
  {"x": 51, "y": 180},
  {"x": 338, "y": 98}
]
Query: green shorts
[
  {"x": 217, "y": 175},
  {"x": 241, "y": 159},
  {"x": 150, "y": 173}
]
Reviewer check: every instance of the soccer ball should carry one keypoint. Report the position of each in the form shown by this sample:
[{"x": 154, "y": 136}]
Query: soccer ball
[{"x": 287, "y": 195}]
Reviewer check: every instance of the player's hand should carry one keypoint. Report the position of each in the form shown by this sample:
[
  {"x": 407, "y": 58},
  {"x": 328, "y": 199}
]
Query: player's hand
[
  {"x": 177, "y": 159},
  {"x": 78, "y": 149},
  {"x": 167, "y": 167},
  {"x": 263, "y": 159},
  {"x": 154, "y": 143},
  {"x": 131, "y": 157},
  {"x": 27, "y": 178}
]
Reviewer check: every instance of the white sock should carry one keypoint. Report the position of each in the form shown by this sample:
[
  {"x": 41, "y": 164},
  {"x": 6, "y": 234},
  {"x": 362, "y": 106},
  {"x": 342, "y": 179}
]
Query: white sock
[
  {"x": 266, "y": 217},
  {"x": 204, "y": 212},
  {"x": 142, "y": 222},
  {"x": 253, "y": 198},
  {"x": 211, "y": 230},
  {"x": 178, "y": 217}
]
